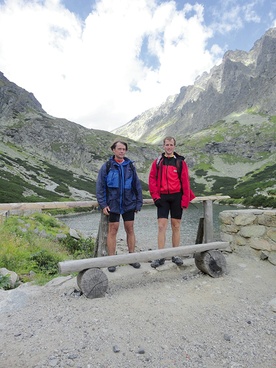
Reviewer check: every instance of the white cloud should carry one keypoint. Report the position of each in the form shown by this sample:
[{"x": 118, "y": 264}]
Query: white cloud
[
  {"x": 233, "y": 15},
  {"x": 90, "y": 72}
]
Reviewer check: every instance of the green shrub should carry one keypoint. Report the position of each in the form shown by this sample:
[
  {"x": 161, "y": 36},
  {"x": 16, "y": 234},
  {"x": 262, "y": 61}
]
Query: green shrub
[
  {"x": 47, "y": 220},
  {"x": 5, "y": 282},
  {"x": 260, "y": 201},
  {"x": 79, "y": 248},
  {"x": 46, "y": 262}
]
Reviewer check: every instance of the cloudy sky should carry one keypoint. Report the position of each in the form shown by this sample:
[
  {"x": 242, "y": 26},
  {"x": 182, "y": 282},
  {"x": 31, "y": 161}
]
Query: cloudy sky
[{"x": 101, "y": 63}]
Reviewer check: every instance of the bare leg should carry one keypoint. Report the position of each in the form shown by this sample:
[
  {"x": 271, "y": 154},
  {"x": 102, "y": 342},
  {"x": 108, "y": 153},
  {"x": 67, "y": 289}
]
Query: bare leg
[
  {"x": 111, "y": 237},
  {"x": 162, "y": 228},
  {"x": 175, "y": 223},
  {"x": 129, "y": 229}
]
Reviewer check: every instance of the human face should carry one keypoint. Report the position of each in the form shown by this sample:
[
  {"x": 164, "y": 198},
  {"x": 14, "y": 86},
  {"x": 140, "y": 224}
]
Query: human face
[
  {"x": 169, "y": 147},
  {"x": 119, "y": 151}
]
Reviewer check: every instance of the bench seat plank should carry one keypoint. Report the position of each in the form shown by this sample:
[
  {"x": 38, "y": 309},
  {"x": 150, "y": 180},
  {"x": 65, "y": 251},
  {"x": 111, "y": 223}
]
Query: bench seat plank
[{"x": 70, "y": 266}]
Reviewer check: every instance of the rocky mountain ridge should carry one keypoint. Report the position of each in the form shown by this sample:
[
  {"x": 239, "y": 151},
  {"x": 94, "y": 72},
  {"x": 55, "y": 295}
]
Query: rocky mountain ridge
[{"x": 244, "y": 81}]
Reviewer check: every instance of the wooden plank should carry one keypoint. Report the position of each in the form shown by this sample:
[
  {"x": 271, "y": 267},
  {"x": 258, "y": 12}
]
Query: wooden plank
[
  {"x": 45, "y": 205},
  {"x": 66, "y": 267},
  {"x": 24, "y": 206},
  {"x": 209, "y": 198}
]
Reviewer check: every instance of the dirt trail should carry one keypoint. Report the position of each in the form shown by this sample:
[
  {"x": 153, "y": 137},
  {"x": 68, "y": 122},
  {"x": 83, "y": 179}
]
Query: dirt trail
[{"x": 170, "y": 317}]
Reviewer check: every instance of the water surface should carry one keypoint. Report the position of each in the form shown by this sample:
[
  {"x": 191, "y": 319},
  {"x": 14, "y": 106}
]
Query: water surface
[{"x": 146, "y": 225}]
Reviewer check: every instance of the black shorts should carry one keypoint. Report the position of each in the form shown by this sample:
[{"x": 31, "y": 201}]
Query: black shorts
[
  {"x": 115, "y": 217},
  {"x": 171, "y": 203}
]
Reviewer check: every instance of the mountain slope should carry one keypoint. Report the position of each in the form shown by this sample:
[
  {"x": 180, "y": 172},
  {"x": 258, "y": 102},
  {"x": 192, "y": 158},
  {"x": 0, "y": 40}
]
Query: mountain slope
[
  {"x": 242, "y": 82},
  {"x": 48, "y": 159}
]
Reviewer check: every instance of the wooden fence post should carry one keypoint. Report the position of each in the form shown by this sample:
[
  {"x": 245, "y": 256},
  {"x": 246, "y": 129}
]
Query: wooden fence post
[
  {"x": 101, "y": 241},
  {"x": 208, "y": 221},
  {"x": 200, "y": 231}
]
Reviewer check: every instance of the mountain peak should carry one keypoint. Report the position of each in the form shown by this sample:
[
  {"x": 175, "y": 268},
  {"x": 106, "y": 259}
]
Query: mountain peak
[{"x": 243, "y": 81}]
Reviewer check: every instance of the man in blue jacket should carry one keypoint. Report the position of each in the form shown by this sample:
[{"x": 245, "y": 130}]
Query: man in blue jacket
[{"x": 119, "y": 192}]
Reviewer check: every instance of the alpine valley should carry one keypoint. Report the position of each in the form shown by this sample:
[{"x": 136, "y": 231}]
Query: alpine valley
[{"x": 225, "y": 126}]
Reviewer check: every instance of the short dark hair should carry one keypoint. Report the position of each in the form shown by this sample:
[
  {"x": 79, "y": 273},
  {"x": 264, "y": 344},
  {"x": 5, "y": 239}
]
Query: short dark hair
[
  {"x": 115, "y": 144},
  {"x": 169, "y": 139}
]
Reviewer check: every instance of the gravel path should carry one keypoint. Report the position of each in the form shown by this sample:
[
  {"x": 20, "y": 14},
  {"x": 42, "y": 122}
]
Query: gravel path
[{"x": 171, "y": 317}]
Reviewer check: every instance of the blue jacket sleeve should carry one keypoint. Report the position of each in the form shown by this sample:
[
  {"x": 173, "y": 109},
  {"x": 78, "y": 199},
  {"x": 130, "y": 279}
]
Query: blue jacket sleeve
[
  {"x": 101, "y": 187},
  {"x": 138, "y": 189}
]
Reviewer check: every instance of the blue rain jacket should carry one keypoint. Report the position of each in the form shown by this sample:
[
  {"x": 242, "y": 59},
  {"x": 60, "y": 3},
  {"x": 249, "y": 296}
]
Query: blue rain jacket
[{"x": 119, "y": 188}]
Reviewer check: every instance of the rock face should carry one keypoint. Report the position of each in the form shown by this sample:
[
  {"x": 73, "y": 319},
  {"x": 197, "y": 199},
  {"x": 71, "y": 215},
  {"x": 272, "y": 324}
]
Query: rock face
[
  {"x": 243, "y": 81},
  {"x": 15, "y": 100}
]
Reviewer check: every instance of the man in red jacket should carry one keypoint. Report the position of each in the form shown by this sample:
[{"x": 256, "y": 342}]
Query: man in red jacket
[{"x": 169, "y": 186}]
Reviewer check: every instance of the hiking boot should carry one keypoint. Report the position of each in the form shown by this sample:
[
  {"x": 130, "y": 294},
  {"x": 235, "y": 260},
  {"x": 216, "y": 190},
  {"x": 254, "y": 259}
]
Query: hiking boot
[
  {"x": 135, "y": 265},
  {"x": 157, "y": 262},
  {"x": 177, "y": 260},
  {"x": 111, "y": 268}
]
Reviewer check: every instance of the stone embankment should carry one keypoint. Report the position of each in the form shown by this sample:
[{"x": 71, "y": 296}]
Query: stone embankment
[{"x": 255, "y": 228}]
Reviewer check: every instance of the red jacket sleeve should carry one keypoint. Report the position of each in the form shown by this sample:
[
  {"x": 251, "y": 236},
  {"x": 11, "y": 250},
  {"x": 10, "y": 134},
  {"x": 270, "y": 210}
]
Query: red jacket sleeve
[
  {"x": 154, "y": 188},
  {"x": 188, "y": 194}
]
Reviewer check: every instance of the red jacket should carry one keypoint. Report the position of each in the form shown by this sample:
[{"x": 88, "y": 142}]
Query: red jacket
[{"x": 164, "y": 179}]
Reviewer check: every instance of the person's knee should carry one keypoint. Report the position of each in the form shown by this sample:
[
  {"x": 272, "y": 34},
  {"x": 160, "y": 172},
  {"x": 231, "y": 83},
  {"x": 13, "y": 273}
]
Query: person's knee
[
  {"x": 113, "y": 228},
  {"x": 129, "y": 229},
  {"x": 175, "y": 224}
]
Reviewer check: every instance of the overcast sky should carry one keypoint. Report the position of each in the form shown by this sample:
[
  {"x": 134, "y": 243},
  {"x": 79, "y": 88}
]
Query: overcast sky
[{"x": 101, "y": 63}]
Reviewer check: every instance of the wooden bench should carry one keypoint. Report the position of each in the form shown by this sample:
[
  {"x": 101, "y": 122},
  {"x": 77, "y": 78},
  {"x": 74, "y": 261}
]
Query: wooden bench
[{"x": 93, "y": 282}]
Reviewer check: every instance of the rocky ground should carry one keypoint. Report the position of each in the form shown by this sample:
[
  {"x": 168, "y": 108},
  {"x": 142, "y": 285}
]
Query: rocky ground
[{"x": 170, "y": 317}]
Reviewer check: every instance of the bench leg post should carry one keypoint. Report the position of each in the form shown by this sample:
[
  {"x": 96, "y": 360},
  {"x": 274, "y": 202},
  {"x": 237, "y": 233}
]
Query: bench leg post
[
  {"x": 92, "y": 282},
  {"x": 211, "y": 262}
]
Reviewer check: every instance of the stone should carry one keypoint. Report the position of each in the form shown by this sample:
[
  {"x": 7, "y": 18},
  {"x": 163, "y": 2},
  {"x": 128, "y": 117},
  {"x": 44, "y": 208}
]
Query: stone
[
  {"x": 74, "y": 234},
  {"x": 264, "y": 255},
  {"x": 244, "y": 219},
  {"x": 272, "y": 258},
  {"x": 227, "y": 337},
  {"x": 267, "y": 219},
  {"x": 272, "y": 304},
  {"x": 253, "y": 231},
  {"x": 229, "y": 228},
  {"x": 260, "y": 244},
  {"x": 116, "y": 349},
  {"x": 225, "y": 218},
  {"x": 240, "y": 240},
  {"x": 227, "y": 237},
  {"x": 271, "y": 233}
]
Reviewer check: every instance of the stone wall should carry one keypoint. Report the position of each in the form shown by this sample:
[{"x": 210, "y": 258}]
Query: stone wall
[{"x": 251, "y": 227}]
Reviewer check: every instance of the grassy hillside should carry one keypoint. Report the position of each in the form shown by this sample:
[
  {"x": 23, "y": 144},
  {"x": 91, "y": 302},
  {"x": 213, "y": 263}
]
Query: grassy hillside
[{"x": 234, "y": 157}]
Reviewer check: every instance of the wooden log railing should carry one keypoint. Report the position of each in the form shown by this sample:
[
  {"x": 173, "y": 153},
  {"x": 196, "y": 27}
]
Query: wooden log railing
[
  {"x": 205, "y": 230},
  {"x": 26, "y": 206}
]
